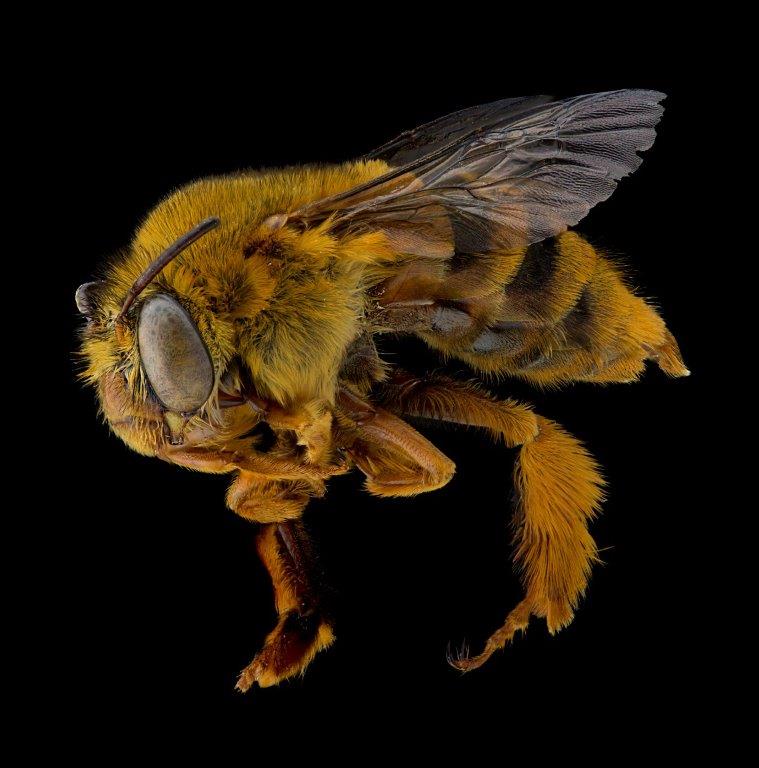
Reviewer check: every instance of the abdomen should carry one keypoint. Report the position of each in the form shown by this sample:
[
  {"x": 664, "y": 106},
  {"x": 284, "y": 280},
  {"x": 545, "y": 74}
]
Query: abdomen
[{"x": 555, "y": 312}]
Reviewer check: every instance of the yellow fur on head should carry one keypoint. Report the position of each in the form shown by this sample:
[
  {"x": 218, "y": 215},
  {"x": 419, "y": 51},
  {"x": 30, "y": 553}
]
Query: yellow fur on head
[{"x": 284, "y": 303}]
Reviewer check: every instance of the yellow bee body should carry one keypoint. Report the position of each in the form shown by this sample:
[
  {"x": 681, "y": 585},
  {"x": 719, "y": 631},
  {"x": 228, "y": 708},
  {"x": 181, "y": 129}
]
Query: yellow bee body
[{"x": 306, "y": 266}]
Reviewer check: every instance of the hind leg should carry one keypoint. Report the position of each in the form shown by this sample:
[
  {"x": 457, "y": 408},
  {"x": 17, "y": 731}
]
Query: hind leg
[{"x": 558, "y": 488}]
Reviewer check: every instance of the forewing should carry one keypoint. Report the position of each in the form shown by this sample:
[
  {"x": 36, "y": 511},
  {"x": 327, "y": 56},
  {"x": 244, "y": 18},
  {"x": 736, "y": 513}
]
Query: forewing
[
  {"x": 502, "y": 175},
  {"x": 441, "y": 133}
]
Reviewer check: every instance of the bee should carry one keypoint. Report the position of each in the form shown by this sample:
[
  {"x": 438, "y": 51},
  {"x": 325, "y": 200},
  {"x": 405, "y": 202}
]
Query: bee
[{"x": 237, "y": 334}]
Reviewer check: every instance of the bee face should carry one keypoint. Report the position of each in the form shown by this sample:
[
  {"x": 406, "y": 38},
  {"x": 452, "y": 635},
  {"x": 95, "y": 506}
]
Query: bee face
[
  {"x": 150, "y": 362},
  {"x": 146, "y": 371}
]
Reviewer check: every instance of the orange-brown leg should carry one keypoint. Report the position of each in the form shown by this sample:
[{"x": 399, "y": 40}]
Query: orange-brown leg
[
  {"x": 220, "y": 461},
  {"x": 283, "y": 544},
  {"x": 260, "y": 499},
  {"x": 558, "y": 488},
  {"x": 304, "y": 627},
  {"x": 395, "y": 458}
]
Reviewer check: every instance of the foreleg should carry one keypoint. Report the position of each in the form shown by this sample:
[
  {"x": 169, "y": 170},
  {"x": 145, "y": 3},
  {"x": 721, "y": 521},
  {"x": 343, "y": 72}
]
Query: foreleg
[{"x": 303, "y": 628}]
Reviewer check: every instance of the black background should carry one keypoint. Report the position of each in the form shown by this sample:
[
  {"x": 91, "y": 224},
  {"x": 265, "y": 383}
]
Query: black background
[{"x": 158, "y": 599}]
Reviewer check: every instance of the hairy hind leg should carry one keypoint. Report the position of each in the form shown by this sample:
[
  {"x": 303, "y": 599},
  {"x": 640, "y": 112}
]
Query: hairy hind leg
[{"x": 558, "y": 489}]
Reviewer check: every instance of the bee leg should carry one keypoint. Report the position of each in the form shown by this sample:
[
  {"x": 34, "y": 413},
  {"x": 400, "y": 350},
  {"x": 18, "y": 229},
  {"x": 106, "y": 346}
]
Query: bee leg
[
  {"x": 303, "y": 628},
  {"x": 263, "y": 500},
  {"x": 388, "y": 476},
  {"x": 558, "y": 489},
  {"x": 395, "y": 458}
]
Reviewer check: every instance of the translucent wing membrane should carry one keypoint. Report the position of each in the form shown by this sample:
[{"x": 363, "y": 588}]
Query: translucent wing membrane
[
  {"x": 444, "y": 131},
  {"x": 503, "y": 175}
]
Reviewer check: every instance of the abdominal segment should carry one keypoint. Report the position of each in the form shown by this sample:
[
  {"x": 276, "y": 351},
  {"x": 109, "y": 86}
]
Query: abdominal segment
[{"x": 554, "y": 312}]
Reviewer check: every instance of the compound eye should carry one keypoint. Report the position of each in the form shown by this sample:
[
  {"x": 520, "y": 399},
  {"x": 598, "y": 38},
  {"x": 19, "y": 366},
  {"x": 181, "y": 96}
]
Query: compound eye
[{"x": 174, "y": 357}]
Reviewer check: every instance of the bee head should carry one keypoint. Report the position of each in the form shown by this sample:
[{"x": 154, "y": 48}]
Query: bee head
[{"x": 145, "y": 346}]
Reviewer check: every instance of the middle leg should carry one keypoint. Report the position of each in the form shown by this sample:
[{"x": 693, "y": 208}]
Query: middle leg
[{"x": 396, "y": 459}]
